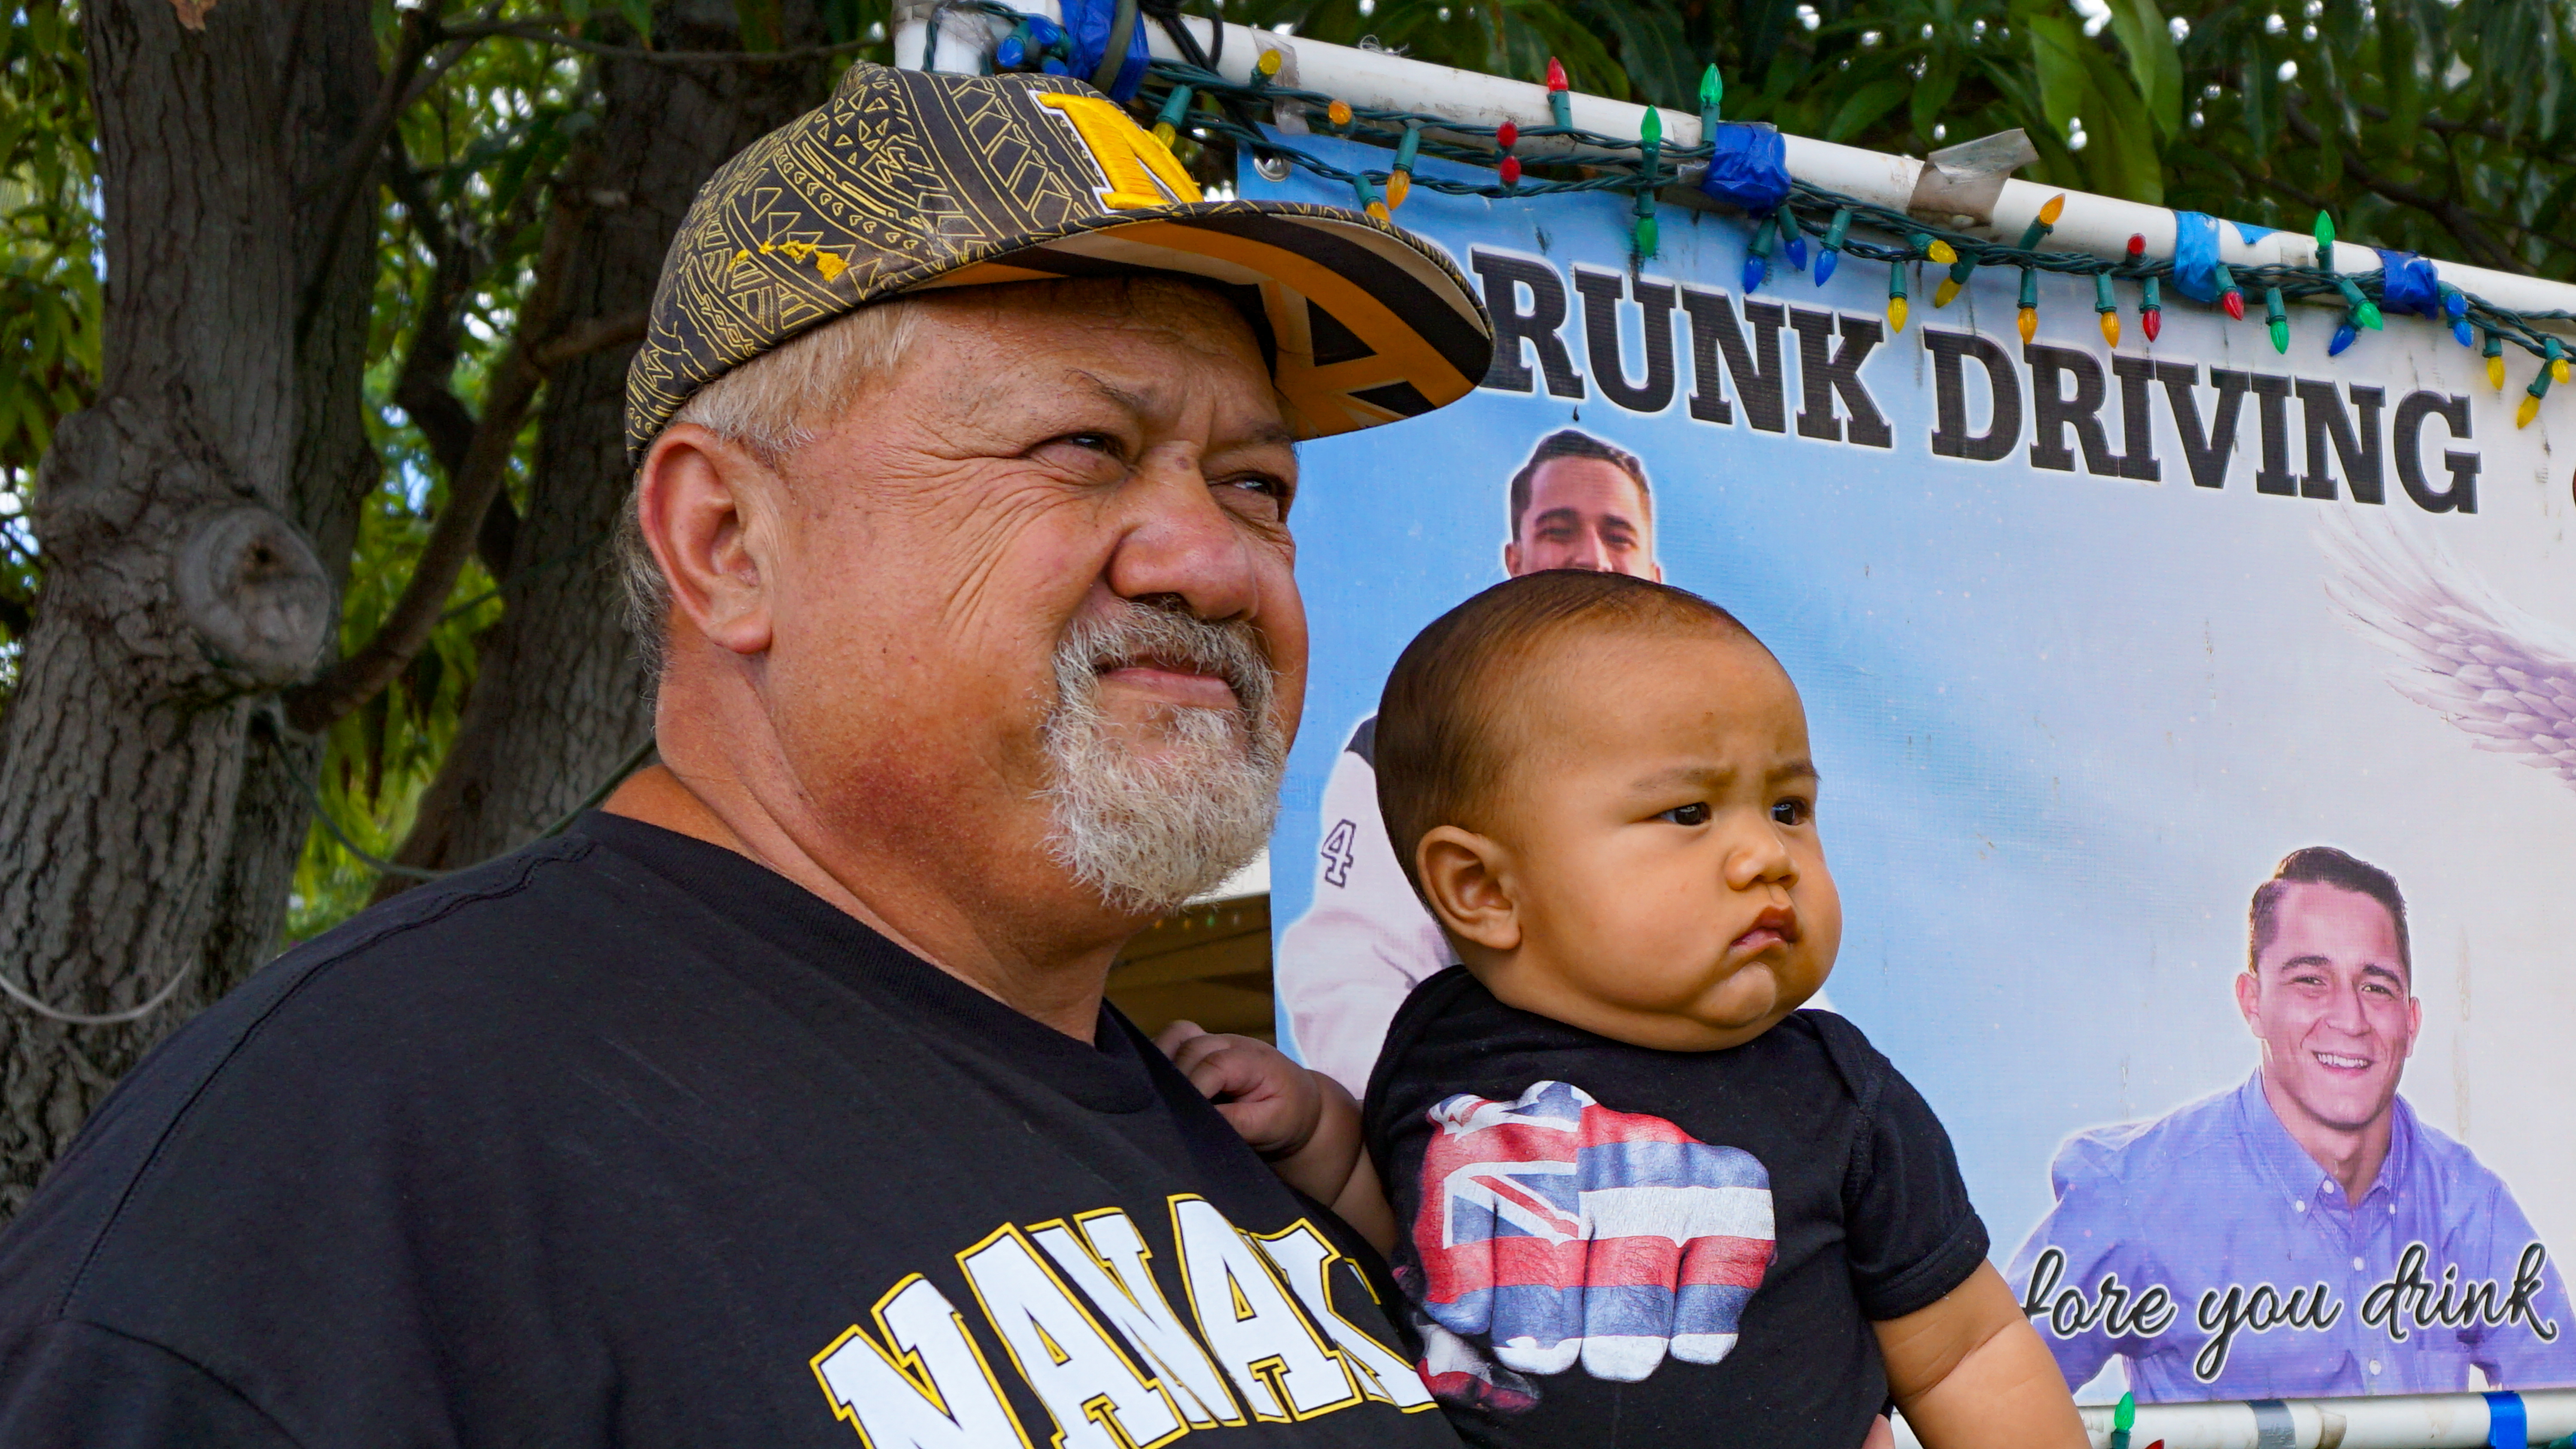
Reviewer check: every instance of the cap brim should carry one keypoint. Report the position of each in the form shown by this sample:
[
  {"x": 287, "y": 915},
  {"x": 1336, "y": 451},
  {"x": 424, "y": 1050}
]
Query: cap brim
[{"x": 1367, "y": 324}]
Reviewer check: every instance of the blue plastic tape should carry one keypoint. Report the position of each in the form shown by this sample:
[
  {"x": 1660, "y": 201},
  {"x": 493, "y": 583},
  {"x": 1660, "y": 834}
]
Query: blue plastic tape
[
  {"x": 1090, "y": 22},
  {"x": 1750, "y": 168},
  {"x": 2507, "y": 1426},
  {"x": 2407, "y": 284},
  {"x": 2196, "y": 255},
  {"x": 2249, "y": 232}
]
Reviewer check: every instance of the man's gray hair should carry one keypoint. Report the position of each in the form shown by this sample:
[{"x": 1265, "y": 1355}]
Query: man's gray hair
[{"x": 771, "y": 406}]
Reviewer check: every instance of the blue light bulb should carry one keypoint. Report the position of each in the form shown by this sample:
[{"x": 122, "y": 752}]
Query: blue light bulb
[
  {"x": 2455, "y": 302},
  {"x": 2467, "y": 335},
  {"x": 1825, "y": 262},
  {"x": 1752, "y": 273},
  {"x": 2343, "y": 336},
  {"x": 1796, "y": 251}
]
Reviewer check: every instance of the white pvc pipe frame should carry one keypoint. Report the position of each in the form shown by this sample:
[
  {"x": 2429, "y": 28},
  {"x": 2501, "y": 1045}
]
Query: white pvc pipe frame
[
  {"x": 2101, "y": 225},
  {"x": 1371, "y": 79},
  {"x": 2391, "y": 1421}
]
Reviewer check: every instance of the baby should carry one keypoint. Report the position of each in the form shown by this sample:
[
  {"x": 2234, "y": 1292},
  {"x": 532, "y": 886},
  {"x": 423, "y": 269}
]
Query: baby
[{"x": 1637, "y": 1196}]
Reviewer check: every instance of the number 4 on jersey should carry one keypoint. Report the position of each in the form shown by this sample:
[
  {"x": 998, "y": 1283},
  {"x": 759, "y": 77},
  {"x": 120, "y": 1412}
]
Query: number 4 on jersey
[{"x": 1338, "y": 854}]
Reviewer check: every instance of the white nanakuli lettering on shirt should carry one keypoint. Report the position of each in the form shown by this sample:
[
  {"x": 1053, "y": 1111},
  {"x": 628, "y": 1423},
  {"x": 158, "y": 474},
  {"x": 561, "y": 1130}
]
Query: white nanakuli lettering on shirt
[
  {"x": 1306, "y": 1260},
  {"x": 1097, "y": 1395},
  {"x": 933, "y": 1391},
  {"x": 1105, "y": 1257},
  {"x": 1281, "y": 1363}
]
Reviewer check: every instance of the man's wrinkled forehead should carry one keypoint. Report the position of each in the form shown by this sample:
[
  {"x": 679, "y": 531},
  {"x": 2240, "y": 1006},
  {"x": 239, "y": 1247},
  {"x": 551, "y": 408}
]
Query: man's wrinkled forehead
[{"x": 1049, "y": 335}]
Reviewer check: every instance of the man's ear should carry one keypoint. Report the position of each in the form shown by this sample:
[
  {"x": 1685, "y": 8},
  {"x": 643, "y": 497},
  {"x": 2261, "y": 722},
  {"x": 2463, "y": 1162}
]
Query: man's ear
[
  {"x": 1462, "y": 875},
  {"x": 705, "y": 506},
  {"x": 1512, "y": 559},
  {"x": 2248, "y": 992}
]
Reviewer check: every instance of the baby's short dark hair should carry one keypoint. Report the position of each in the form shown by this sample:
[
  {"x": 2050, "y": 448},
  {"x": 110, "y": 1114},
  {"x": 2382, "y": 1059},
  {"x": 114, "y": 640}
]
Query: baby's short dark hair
[{"x": 1440, "y": 746}]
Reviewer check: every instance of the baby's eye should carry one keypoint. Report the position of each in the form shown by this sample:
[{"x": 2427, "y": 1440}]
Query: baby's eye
[
  {"x": 1793, "y": 811},
  {"x": 1692, "y": 814}
]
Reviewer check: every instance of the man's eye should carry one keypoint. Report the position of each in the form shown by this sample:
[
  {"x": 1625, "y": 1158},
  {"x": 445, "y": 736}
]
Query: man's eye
[
  {"x": 1261, "y": 483},
  {"x": 1695, "y": 813},
  {"x": 1792, "y": 811},
  {"x": 1092, "y": 455}
]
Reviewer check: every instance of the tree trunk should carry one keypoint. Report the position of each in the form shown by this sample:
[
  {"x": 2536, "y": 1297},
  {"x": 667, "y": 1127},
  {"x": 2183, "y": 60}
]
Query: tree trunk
[
  {"x": 186, "y": 518},
  {"x": 559, "y": 700}
]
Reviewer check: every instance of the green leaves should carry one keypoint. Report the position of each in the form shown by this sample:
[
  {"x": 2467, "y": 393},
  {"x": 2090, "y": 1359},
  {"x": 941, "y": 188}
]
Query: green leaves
[
  {"x": 2155, "y": 66},
  {"x": 1865, "y": 105},
  {"x": 2079, "y": 81}
]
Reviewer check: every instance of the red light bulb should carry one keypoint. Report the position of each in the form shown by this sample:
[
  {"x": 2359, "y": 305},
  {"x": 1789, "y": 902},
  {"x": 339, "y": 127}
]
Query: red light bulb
[{"x": 1555, "y": 74}]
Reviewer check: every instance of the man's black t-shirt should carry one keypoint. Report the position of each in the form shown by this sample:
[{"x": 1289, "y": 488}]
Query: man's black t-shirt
[
  {"x": 1611, "y": 1245},
  {"x": 627, "y": 1140}
]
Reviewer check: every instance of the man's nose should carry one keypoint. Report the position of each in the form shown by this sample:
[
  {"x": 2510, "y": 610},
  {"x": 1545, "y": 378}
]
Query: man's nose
[
  {"x": 2346, "y": 1013},
  {"x": 1180, "y": 542}
]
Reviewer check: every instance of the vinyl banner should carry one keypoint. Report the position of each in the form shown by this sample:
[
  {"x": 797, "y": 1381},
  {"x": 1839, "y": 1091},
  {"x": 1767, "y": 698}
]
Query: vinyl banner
[{"x": 2195, "y": 728}]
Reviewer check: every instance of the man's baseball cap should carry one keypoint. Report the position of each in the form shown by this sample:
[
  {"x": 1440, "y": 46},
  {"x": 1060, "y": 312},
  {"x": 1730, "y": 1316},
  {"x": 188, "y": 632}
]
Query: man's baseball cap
[{"x": 906, "y": 181}]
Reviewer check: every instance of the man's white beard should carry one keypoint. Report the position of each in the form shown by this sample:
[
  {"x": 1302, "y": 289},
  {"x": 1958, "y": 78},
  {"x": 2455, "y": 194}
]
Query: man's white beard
[{"x": 1150, "y": 831}]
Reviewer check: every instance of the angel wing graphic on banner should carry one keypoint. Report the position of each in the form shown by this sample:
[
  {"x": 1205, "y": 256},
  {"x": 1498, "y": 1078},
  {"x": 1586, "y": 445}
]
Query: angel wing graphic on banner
[{"x": 2495, "y": 670}]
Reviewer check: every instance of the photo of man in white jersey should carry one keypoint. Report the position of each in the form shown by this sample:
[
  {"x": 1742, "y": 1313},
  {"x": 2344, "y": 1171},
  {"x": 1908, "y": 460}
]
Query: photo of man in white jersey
[{"x": 1344, "y": 966}]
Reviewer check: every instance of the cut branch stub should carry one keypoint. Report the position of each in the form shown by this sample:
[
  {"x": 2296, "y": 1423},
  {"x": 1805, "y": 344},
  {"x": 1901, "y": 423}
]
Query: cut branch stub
[{"x": 250, "y": 587}]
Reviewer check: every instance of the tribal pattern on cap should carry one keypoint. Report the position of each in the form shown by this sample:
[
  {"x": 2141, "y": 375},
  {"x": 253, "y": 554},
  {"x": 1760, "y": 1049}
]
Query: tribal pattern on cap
[{"x": 905, "y": 181}]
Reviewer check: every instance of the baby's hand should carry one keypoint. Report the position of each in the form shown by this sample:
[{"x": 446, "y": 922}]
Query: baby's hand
[{"x": 1271, "y": 1102}]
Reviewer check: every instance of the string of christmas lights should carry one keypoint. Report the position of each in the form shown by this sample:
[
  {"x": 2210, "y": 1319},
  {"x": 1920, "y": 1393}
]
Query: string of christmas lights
[{"x": 1198, "y": 101}]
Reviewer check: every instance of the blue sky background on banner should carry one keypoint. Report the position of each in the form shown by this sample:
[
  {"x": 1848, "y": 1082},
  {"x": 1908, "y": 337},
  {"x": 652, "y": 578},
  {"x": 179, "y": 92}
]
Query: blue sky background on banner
[{"x": 2067, "y": 722}]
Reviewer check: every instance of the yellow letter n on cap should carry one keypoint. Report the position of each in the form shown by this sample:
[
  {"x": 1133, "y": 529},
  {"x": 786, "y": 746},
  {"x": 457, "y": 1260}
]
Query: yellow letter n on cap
[{"x": 1140, "y": 170}]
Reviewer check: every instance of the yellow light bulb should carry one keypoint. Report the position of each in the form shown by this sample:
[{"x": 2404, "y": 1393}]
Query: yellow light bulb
[
  {"x": 2055, "y": 208},
  {"x": 1399, "y": 185},
  {"x": 1377, "y": 209},
  {"x": 1339, "y": 113},
  {"x": 2530, "y": 409},
  {"x": 1941, "y": 252},
  {"x": 2558, "y": 370},
  {"x": 1269, "y": 62},
  {"x": 2495, "y": 373},
  {"x": 1163, "y": 132},
  {"x": 2111, "y": 328},
  {"x": 1896, "y": 314},
  {"x": 2029, "y": 322},
  {"x": 1943, "y": 294}
]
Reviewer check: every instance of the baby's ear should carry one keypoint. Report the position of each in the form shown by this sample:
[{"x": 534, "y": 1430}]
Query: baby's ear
[{"x": 1462, "y": 875}]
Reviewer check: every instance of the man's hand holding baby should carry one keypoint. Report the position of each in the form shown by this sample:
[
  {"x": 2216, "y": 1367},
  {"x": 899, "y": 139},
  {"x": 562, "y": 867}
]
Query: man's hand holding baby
[{"x": 1303, "y": 1123}]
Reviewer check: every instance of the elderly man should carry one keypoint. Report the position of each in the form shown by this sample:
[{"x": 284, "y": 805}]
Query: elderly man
[
  {"x": 1366, "y": 942},
  {"x": 779, "y": 1102},
  {"x": 2302, "y": 1234}
]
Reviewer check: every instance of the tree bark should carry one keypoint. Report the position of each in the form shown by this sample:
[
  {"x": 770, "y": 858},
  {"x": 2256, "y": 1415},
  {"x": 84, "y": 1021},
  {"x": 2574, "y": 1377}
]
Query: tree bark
[
  {"x": 559, "y": 699},
  {"x": 195, "y": 520}
]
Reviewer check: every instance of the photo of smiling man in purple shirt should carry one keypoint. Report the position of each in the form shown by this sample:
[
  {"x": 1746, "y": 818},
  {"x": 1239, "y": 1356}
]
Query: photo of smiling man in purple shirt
[{"x": 2302, "y": 1234}]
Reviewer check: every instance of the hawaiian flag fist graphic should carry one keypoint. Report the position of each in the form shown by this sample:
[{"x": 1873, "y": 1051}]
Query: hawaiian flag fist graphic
[{"x": 1554, "y": 1229}]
